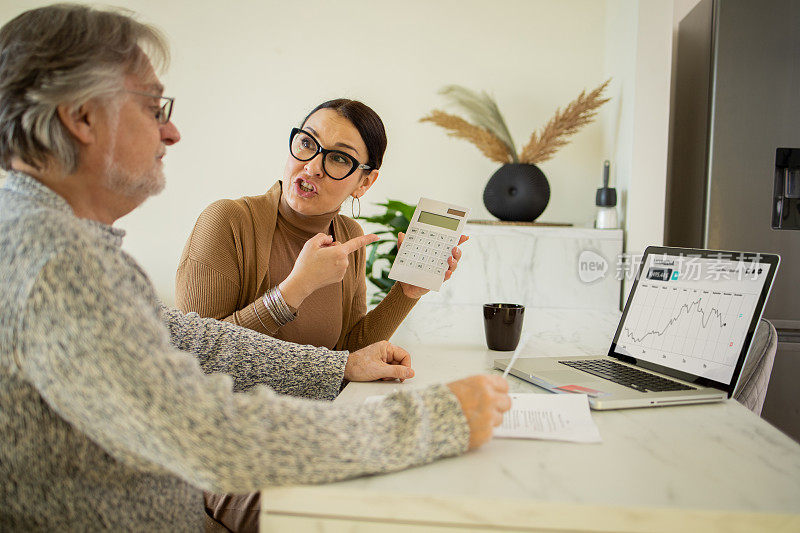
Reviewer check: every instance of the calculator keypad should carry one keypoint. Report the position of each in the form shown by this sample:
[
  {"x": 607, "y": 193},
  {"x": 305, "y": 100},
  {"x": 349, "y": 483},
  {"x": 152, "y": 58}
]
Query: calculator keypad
[{"x": 426, "y": 250}]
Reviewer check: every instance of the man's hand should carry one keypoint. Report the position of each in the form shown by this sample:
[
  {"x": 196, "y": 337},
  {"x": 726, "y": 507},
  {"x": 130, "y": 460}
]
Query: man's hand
[
  {"x": 320, "y": 263},
  {"x": 483, "y": 400},
  {"x": 381, "y": 360}
]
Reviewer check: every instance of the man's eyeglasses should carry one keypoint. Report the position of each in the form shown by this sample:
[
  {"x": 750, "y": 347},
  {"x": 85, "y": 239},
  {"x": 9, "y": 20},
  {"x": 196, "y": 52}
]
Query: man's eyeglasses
[
  {"x": 164, "y": 108},
  {"x": 337, "y": 165}
]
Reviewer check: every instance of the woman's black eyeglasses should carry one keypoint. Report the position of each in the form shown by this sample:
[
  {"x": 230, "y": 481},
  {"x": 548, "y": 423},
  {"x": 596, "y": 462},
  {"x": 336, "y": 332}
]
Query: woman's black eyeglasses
[{"x": 337, "y": 165}]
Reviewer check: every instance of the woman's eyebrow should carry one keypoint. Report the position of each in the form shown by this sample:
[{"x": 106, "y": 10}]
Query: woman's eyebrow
[{"x": 339, "y": 144}]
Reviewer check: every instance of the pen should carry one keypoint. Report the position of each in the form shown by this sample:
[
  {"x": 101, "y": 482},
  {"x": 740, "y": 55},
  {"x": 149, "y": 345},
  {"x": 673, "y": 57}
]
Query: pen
[{"x": 522, "y": 342}]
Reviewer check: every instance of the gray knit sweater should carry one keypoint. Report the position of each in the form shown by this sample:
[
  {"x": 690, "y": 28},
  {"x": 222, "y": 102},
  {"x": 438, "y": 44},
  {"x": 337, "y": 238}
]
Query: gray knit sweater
[{"x": 115, "y": 411}]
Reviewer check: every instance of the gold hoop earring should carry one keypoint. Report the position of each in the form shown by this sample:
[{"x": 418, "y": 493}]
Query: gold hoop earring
[{"x": 352, "y": 208}]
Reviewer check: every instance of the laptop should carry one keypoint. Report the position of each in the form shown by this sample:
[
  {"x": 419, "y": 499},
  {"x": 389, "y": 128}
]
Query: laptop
[{"x": 683, "y": 337}]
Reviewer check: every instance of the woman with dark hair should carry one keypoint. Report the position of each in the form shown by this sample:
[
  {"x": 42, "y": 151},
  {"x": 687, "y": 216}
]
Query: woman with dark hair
[
  {"x": 287, "y": 264},
  {"x": 275, "y": 263},
  {"x": 270, "y": 263}
]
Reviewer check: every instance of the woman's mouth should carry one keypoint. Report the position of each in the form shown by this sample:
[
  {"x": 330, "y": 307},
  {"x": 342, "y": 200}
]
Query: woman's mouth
[{"x": 304, "y": 188}]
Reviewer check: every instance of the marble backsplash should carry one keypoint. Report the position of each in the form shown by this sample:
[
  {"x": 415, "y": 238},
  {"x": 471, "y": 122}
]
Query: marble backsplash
[{"x": 538, "y": 266}]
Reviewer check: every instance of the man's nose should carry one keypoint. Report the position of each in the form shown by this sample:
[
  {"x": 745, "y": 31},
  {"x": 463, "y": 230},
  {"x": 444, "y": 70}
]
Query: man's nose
[{"x": 170, "y": 134}]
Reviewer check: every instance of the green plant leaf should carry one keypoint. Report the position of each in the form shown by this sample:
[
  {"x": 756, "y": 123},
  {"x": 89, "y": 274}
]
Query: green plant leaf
[
  {"x": 404, "y": 208},
  {"x": 395, "y": 218},
  {"x": 399, "y": 222},
  {"x": 379, "y": 219},
  {"x": 382, "y": 283}
]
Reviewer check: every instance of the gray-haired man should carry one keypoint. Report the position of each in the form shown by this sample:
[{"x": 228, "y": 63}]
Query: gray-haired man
[{"x": 109, "y": 418}]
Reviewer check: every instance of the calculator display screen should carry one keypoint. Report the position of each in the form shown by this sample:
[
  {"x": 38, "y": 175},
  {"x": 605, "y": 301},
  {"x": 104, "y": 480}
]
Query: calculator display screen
[{"x": 438, "y": 220}]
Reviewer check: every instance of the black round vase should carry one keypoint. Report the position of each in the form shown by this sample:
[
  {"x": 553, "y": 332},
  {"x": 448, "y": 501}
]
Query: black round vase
[{"x": 517, "y": 192}]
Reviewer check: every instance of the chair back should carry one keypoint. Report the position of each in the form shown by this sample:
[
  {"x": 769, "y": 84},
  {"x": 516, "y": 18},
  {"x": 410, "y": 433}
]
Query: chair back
[{"x": 754, "y": 380}]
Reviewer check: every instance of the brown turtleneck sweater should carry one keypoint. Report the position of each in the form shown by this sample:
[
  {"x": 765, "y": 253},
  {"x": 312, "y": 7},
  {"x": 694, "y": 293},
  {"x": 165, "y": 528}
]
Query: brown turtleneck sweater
[
  {"x": 239, "y": 249},
  {"x": 318, "y": 322}
]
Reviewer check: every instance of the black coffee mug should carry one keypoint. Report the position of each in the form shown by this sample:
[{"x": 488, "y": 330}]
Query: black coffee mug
[{"x": 503, "y": 325}]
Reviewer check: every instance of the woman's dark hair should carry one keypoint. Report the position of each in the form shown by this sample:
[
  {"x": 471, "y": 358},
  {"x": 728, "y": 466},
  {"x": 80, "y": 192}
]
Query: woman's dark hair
[{"x": 366, "y": 121}]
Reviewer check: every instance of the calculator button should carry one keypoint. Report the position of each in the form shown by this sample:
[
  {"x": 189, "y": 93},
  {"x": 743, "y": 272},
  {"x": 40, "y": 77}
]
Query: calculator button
[
  {"x": 401, "y": 261},
  {"x": 440, "y": 271},
  {"x": 416, "y": 247},
  {"x": 420, "y": 266},
  {"x": 414, "y": 231},
  {"x": 414, "y": 256},
  {"x": 428, "y": 268}
]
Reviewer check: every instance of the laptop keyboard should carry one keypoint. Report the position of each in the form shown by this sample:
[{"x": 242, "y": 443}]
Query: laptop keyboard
[{"x": 626, "y": 376}]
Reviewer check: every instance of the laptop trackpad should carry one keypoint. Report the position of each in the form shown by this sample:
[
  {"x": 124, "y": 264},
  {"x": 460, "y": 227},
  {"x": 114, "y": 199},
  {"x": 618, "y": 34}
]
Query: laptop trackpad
[
  {"x": 557, "y": 378},
  {"x": 561, "y": 377}
]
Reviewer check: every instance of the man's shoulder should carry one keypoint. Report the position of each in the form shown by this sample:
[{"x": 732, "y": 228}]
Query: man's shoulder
[
  {"x": 38, "y": 229},
  {"x": 35, "y": 238}
]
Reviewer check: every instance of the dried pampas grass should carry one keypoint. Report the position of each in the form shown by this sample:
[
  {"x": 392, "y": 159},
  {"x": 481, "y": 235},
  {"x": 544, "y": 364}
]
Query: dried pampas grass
[
  {"x": 490, "y": 134},
  {"x": 578, "y": 113},
  {"x": 482, "y": 110},
  {"x": 485, "y": 140}
]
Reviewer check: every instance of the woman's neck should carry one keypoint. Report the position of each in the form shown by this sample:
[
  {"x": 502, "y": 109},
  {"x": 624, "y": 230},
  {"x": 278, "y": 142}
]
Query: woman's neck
[{"x": 308, "y": 225}]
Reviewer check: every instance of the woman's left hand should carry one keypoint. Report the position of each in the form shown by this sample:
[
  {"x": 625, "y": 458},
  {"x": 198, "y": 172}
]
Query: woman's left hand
[{"x": 412, "y": 291}]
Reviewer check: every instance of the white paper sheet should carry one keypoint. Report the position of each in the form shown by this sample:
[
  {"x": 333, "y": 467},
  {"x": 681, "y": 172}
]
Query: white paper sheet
[
  {"x": 544, "y": 416},
  {"x": 549, "y": 416}
]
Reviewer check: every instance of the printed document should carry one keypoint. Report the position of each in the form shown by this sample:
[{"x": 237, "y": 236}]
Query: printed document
[
  {"x": 549, "y": 416},
  {"x": 545, "y": 416}
]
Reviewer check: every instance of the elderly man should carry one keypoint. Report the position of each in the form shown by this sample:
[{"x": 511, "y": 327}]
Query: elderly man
[{"x": 116, "y": 411}]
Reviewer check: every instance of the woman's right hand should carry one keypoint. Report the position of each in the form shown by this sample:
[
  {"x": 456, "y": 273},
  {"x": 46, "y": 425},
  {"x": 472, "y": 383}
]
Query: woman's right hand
[{"x": 321, "y": 262}]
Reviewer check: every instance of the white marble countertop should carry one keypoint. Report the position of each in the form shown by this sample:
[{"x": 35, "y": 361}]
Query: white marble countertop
[{"x": 705, "y": 467}]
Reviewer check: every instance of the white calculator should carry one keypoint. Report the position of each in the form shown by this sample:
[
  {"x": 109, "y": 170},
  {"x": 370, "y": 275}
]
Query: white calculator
[{"x": 433, "y": 231}]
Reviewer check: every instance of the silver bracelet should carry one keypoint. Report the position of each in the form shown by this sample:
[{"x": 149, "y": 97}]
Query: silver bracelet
[
  {"x": 291, "y": 314},
  {"x": 282, "y": 305},
  {"x": 255, "y": 308},
  {"x": 268, "y": 305},
  {"x": 278, "y": 309}
]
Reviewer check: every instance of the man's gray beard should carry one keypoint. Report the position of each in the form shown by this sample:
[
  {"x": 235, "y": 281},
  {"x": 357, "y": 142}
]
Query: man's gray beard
[{"x": 137, "y": 187}]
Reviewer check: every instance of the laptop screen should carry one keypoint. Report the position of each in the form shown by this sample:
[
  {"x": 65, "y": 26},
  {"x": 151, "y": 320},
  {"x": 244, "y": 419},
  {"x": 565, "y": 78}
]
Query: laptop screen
[{"x": 692, "y": 313}]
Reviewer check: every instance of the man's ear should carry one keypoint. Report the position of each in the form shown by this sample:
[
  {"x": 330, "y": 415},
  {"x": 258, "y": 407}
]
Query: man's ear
[
  {"x": 81, "y": 122},
  {"x": 366, "y": 183}
]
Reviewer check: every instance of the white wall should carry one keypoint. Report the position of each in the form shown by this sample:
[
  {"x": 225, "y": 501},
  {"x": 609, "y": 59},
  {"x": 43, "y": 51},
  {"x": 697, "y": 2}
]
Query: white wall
[
  {"x": 639, "y": 51},
  {"x": 646, "y": 195},
  {"x": 245, "y": 72}
]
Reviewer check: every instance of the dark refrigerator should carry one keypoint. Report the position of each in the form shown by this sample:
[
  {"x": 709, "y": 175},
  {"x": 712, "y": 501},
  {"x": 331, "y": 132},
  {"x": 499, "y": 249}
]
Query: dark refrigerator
[{"x": 734, "y": 168}]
